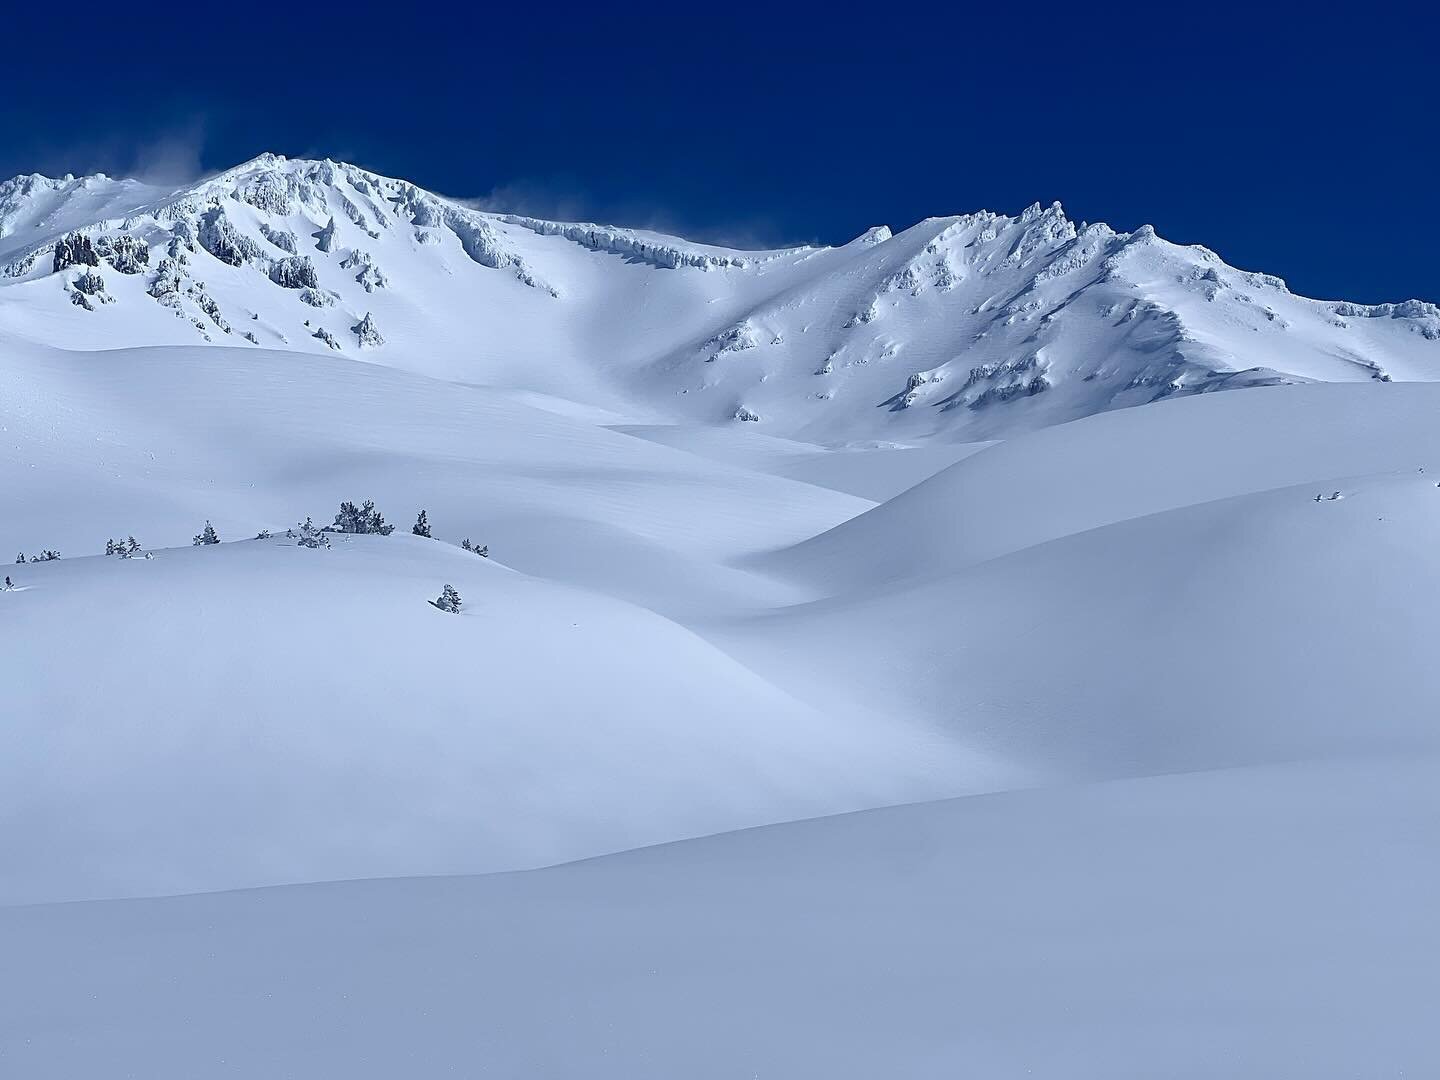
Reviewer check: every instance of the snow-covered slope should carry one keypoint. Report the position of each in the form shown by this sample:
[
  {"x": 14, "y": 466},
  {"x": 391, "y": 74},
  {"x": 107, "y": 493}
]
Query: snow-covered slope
[
  {"x": 965, "y": 328},
  {"x": 336, "y": 724},
  {"x": 674, "y": 635},
  {"x": 1249, "y": 924},
  {"x": 770, "y": 535},
  {"x": 259, "y": 712}
]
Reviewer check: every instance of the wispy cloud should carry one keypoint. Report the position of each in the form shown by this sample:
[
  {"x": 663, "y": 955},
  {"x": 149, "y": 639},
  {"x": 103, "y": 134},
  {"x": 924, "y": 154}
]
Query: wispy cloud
[{"x": 172, "y": 155}]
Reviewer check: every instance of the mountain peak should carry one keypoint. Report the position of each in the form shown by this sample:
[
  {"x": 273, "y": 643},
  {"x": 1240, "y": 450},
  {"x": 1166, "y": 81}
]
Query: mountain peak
[{"x": 964, "y": 327}]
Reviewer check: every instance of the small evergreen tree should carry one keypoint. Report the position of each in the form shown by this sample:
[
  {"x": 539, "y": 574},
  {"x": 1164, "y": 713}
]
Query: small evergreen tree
[
  {"x": 263, "y": 534},
  {"x": 208, "y": 536},
  {"x": 132, "y": 547},
  {"x": 311, "y": 537},
  {"x": 483, "y": 552},
  {"x": 109, "y": 547},
  {"x": 45, "y": 556},
  {"x": 19, "y": 558},
  {"x": 449, "y": 600},
  {"x": 421, "y": 526},
  {"x": 466, "y": 544}
]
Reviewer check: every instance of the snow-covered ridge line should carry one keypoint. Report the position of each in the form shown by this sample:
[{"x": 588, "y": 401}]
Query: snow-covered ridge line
[
  {"x": 619, "y": 241},
  {"x": 967, "y": 327}
]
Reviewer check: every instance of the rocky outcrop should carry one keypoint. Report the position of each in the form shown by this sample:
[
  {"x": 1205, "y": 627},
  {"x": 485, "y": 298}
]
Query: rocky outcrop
[
  {"x": 75, "y": 250},
  {"x": 325, "y": 238},
  {"x": 206, "y": 303},
  {"x": 89, "y": 283},
  {"x": 88, "y": 289},
  {"x": 182, "y": 239},
  {"x": 368, "y": 333},
  {"x": 294, "y": 272},
  {"x": 738, "y": 338},
  {"x": 169, "y": 280},
  {"x": 228, "y": 244},
  {"x": 283, "y": 239},
  {"x": 127, "y": 254},
  {"x": 370, "y": 276}
]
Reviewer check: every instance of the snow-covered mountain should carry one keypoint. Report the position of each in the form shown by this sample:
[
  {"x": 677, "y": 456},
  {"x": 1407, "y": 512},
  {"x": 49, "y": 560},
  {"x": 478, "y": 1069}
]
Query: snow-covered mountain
[
  {"x": 767, "y": 535},
  {"x": 961, "y": 328}
]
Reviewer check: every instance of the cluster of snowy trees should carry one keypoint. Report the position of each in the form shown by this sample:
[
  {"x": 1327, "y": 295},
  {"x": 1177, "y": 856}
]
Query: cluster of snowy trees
[
  {"x": 129, "y": 548},
  {"x": 363, "y": 519},
  {"x": 360, "y": 520}
]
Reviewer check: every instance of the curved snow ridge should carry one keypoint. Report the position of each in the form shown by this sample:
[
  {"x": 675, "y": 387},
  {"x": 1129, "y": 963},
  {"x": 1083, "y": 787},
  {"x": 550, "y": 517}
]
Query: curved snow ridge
[
  {"x": 1121, "y": 465},
  {"x": 613, "y": 240},
  {"x": 1424, "y": 316},
  {"x": 484, "y": 246}
]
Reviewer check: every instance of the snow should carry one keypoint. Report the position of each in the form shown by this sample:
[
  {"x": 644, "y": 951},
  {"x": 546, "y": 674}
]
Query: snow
[
  {"x": 953, "y": 517},
  {"x": 1014, "y": 322},
  {"x": 1251, "y": 923}
]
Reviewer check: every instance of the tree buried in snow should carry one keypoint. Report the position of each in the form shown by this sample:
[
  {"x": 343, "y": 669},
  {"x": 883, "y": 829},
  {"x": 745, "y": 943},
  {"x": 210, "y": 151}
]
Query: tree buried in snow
[
  {"x": 421, "y": 526},
  {"x": 449, "y": 600},
  {"x": 205, "y": 537},
  {"x": 308, "y": 536}
]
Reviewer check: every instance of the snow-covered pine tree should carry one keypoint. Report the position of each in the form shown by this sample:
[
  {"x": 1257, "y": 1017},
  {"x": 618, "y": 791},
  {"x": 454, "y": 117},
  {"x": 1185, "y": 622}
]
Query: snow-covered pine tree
[
  {"x": 45, "y": 556},
  {"x": 311, "y": 537},
  {"x": 421, "y": 526},
  {"x": 361, "y": 519},
  {"x": 131, "y": 547},
  {"x": 208, "y": 536},
  {"x": 483, "y": 552},
  {"x": 109, "y": 547},
  {"x": 466, "y": 544},
  {"x": 449, "y": 600},
  {"x": 19, "y": 558}
]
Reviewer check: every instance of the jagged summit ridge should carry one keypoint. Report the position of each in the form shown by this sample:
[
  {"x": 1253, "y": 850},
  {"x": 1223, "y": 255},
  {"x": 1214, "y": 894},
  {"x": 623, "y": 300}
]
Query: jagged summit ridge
[{"x": 966, "y": 326}]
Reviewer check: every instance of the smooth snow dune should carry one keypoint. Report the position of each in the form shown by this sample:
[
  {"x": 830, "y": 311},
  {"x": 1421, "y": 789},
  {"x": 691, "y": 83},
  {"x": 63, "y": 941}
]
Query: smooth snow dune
[
  {"x": 1257, "y": 628},
  {"x": 1249, "y": 924},
  {"x": 153, "y": 442},
  {"x": 1122, "y": 465},
  {"x": 875, "y": 472},
  {"x": 256, "y": 712}
]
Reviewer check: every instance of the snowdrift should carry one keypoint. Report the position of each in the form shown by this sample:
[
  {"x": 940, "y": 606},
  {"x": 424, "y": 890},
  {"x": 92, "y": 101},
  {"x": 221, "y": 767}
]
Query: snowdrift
[{"x": 1249, "y": 924}]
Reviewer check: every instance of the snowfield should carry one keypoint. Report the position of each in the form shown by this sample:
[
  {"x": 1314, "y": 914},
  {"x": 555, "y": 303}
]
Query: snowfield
[
  {"x": 1251, "y": 923},
  {"x": 890, "y": 660}
]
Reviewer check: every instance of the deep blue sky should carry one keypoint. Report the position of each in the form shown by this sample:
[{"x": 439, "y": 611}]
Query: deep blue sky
[{"x": 1301, "y": 144}]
